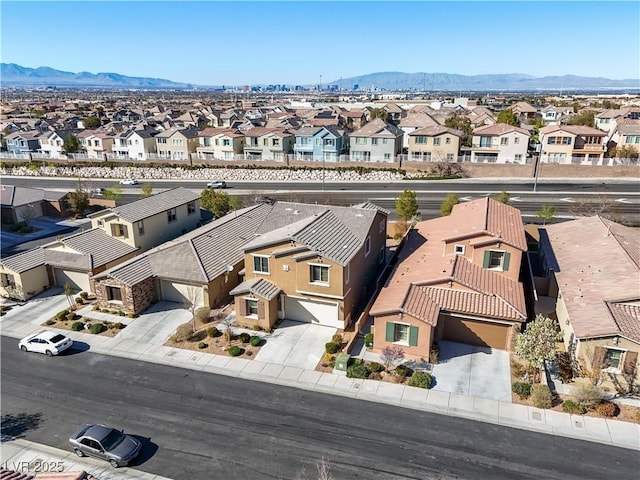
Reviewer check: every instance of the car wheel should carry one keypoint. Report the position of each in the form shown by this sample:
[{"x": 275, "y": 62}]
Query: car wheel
[
  {"x": 114, "y": 464},
  {"x": 78, "y": 452},
  {"x": 48, "y": 353},
  {"x": 24, "y": 348}
]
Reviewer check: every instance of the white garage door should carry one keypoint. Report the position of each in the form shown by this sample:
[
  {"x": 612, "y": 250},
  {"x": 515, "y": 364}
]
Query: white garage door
[
  {"x": 78, "y": 280},
  {"x": 310, "y": 311},
  {"x": 181, "y": 293}
]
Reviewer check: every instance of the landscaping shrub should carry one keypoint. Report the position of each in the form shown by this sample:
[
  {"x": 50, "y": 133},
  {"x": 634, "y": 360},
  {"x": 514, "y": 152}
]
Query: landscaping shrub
[
  {"x": 50, "y": 322},
  {"x": 541, "y": 396},
  {"x": 434, "y": 353},
  {"x": 420, "y": 379},
  {"x": 257, "y": 328},
  {"x": 402, "y": 371},
  {"x": 202, "y": 315},
  {"x": 244, "y": 337},
  {"x": 332, "y": 347},
  {"x": 71, "y": 316},
  {"x": 202, "y": 345},
  {"x": 131, "y": 315},
  {"x": 375, "y": 367},
  {"x": 96, "y": 307},
  {"x": 357, "y": 370},
  {"x": 105, "y": 310},
  {"x": 569, "y": 406},
  {"x": 249, "y": 353},
  {"x": 61, "y": 315},
  {"x": 97, "y": 328},
  {"x": 565, "y": 370},
  {"x": 327, "y": 357},
  {"x": 184, "y": 332},
  {"x": 212, "y": 332},
  {"x": 521, "y": 389},
  {"x": 375, "y": 376},
  {"x": 587, "y": 396},
  {"x": 79, "y": 300},
  {"x": 121, "y": 313},
  {"x": 115, "y": 325},
  {"x": 77, "y": 326},
  {"x": 517, "y": 368},
  {"x": 607, "y": 409},
  {"x": 255, "y": 341},
  {"x": 84, "y": 295},
  {"x": 234, "y": 351},
  {"x": 337, "y": 338},
  {"x": 368, "y": 340}
]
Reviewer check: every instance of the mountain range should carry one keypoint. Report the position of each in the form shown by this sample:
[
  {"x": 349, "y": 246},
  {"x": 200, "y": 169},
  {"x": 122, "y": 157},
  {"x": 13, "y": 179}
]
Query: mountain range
[{"x": 12, "y": 75}]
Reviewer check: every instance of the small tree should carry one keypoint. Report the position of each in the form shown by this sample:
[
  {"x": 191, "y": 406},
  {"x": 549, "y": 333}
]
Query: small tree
[
  {"x": 71, "y": 144},
  {"x": 502, "y": 197},
  {"x": 28, "y": 214},
  {"x": 380, "y": 113},
  {"x": 92, "y": 122},
  {"x": 78, "y": 202},
  {"x": 68, "y": 292},
  {"x": 114, "y": 193},
  {"x": 626, "y": 151},
  {"x": 507, "y": 116},
  {"x": 538, "y": 342},
  {"x": 586, "y": 118},
  {"x": 228, "y": 322},
  {"x": 216, "y": 202},
  {"x": 391, "y": 356},
  {"x": 147, "y": 189},
  {"x": 447, "y": 205},
  {"x": 592, "y": 364},
  {"x": 234, "y": 203},
  {"x": 406, "y": 205},
  {"x": 546, "y": 213},
  {"x": 460, "y": 122},
  {"x": 191, "y": 299}
]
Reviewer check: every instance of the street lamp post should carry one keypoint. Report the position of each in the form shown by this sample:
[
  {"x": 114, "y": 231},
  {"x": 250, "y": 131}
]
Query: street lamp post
[{"x": 323, "y": 172}]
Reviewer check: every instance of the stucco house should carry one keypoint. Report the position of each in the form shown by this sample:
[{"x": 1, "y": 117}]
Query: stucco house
[
  {"x": 220, "y": 143},
  {"x": 434, "y": 144},
  {"x": 95, "y": 143},
  {"x": 21, "y": 204},
  {"x": 116, "y": 235},
  {"x": 23, "y": 142},
  {"x": 456, "y": 279},
  {"x": 377, "y": 141},
  {"x": 135, "y": 144},
  {"x": 572, "y": 144},
  {"x": 500, "y": 143},
  {"x": 592, "y": 268},
  {"x": 415, "y": 121},
  {"x": 311, "y": 263},
  {"x": 320, "y": 143},
  {"x": 177, "y": 143},
  {"x": 261, "y": 143}
]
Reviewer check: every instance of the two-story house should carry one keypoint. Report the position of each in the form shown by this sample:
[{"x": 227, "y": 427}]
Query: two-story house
[
  {"x": 95, "y": 143},
  {"x": 572, "y": 144},
  {"x": 51, "y": 143},
  {"x": 320, "y": 143},
  {"x": 500, "y": 143},
  {"x": 627, "y": 134},
  {"x": 377, "y": 141},
  {"x": 592, "y": 267},
  {"x": 261, "y": 143},
  {"x": 415, "y": 121},
  {"x": 434, "y": 144},
  {"x": 135, "y": 144},
  {"x": 311, "y": 263},
  {"x": 23, "y": 142},
  {"x": 116, "y": 235},
  {"x": 220, "y": 143},
  {"x": 456, "y": 279},
  {"x": 177, "y": 143}
]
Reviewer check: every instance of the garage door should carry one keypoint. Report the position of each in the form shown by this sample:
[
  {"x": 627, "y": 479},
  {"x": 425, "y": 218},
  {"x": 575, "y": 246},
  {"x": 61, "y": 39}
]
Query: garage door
[
  {"x": 180, "y": 292},
  {"x": 78, "y": 280},
  {"x": 483, "y": 334},
  {"x": 322, "y": 313}
]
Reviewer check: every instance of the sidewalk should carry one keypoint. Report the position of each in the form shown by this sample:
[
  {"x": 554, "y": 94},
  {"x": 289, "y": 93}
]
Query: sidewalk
[{"x": 607, "y": 431}]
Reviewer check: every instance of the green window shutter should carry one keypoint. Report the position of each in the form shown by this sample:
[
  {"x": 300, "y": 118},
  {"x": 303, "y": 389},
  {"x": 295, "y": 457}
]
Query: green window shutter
[
  {"x": 505, "y": 263},
  {"x": 413, "y": 336},
  {"x": 485, "y": 262},
  {"x": 390, "y": 329}
]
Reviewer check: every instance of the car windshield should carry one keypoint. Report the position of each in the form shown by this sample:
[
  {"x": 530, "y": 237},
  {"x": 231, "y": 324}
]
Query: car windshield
[
  {"x": 57, "y": 338},
  {"x": 112, "y": 440}
]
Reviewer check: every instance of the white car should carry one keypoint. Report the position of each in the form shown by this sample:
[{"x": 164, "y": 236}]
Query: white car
[
  {"x": 128, "y": 181},
  {"x": 47, "y": 342},
  {"x": 217, "y": 184}
]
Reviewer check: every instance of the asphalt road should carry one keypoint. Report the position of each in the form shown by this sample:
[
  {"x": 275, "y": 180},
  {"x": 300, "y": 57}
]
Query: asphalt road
[{"x": 204, "y": 426}]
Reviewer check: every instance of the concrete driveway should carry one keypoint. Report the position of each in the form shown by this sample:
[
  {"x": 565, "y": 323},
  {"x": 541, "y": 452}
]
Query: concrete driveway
[
  {"x": 38, "y": 309},
  {"x": 475, "y": 371},
  {"x": 156, "y": 324},
  {"x": 296, "y": 344}
]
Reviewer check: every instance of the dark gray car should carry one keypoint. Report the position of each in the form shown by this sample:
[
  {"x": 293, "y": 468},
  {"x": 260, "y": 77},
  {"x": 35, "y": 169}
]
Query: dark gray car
[{"x": 104, "y": 442}]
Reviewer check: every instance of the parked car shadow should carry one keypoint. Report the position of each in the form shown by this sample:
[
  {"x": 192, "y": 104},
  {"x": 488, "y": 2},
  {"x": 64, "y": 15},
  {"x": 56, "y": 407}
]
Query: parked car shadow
[
  {"x": 148, "y": 450},
  {"x": 77, "y": 347}
]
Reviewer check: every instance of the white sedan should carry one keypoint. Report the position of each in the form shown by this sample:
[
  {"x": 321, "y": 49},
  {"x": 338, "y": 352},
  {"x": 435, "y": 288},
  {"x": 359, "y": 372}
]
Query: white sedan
[
  {"x": 128, "y": 181},
  {"x": 47, "y": 342}
]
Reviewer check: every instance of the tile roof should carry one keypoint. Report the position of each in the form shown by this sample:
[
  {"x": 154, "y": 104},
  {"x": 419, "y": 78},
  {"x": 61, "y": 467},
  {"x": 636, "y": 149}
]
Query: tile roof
[
  {"x": 158, "y": 203},
  {"x": 627, "y": 317},
  {"x": 378, "y": 128},
  {"x": 436, "y": 130},
  {"x": 23, "y": 261},
  {"x": 579, "y": 130},
  {"x": 628, "y": 126},
  {"x": 419, "y": 120},
  {"x": 12, "y": 196},
  {"x": 598, "y": 261},
  {"x": 499, "y": 129},
  {"x": 100, "y": 246},
  {"x": 258, "y": 286}
]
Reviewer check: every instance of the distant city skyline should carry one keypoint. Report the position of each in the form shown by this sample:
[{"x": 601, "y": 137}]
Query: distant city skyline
[{"x": 236, "y": 43}]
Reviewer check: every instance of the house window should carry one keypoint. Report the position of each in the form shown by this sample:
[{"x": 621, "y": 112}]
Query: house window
[
  {"x": 381, "y": 227},
  {"x": 252, "y": 307},
  {"x": 265, "y": 142},
  {"x": 178, "y": 142},
  {"x": 330, "y": 142},
  {"x": 367, "y": 246},
  {"x": 141, "y": 227},
  {"x": 426, "y": 156},
  {"x": 374, "y": 141},
  {"x": 459, "y": 249},
  {"x": 101, "y": 223},
  {"x": 387, "y": 156},
  {"x": 162, "y": 140},
  {"x": 436, "y": 141},
  {"x": 226, "y": 142},
  {"x": 119, "y": 230},
  {"x": 361, "y": 141},
  {"x": 401, "y": 333},
  {"x": 485, "y": 142},
  {"x": 384, "y": 141},
  {"x": 504, "y": 141},
  {"x": 612, "y": 358},
  {"x": 632, "y": 139},
  {"x": 421, "y": 140},
  {"x": 518, "y": 158},
  {"x": 449, "y": 157},
  {"x": 7, "y": 280},
  {"x": 260, "y": 264},
  {"x": 516, "y": 140},
  {"x": 191, "y": 208},
  {"x": 416, "y": 155},
  {"x": 171, "y": 215},
  {"x": 114, "y": 294},
  {"x": 347, "y": 273},
  {"x": 318, "y": 142},
  {"x": 496, "y": 260},
  {"x": 276, "y": 142},
  {"x": 447, "y": 141},
  {"x": 319, "y": 274}
]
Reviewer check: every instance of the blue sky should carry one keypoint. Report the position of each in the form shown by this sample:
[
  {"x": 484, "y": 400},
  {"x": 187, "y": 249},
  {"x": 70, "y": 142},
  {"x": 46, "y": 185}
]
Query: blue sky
[{"x": 296, "y": 42}]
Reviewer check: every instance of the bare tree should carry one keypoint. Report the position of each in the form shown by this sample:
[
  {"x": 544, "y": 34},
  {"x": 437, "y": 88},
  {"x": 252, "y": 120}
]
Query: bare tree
[
  {"x": 600, "y": 205},
  {"x": 68, "y": 292},
  {"x": 592, "y": 365},
  {"x": 191, "y": 299},
  {"x": 228, "y": 322},
  {"x": 28, "y": 214},
  {"x": 391, "y": 356}
]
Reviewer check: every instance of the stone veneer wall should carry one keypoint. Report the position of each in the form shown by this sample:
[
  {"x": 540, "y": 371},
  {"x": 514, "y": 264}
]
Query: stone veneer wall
[{"x": 135, "y": 299}]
